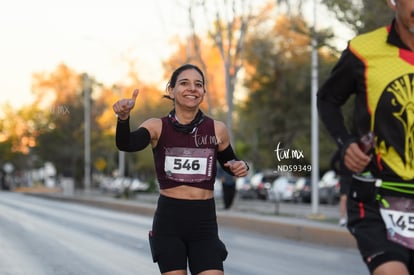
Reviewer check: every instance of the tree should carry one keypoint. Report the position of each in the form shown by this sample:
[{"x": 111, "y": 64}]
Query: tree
[
  {"x": 60, "y": 94},
  {"x": 19, "y": 130},
  {"x": 231, "y": 22},
  {"x": 278, "y": 78},
  {"x": 21, "y": 127},
  {"x": 360, "y": 15}
]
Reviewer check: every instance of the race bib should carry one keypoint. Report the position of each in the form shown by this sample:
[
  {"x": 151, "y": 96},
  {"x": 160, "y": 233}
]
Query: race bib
[
  {"x": 399, "y": 220},
  {"x": 189, "y": 164}
]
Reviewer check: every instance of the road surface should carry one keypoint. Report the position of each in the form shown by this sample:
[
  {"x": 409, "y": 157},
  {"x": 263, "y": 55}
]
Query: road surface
[{"x": 48, "y": 237}]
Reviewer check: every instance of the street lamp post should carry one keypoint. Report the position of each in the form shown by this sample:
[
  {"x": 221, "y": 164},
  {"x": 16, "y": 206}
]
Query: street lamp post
[
  {"x": 87, "y": 91},
  {"x": 314, "y": 123}
]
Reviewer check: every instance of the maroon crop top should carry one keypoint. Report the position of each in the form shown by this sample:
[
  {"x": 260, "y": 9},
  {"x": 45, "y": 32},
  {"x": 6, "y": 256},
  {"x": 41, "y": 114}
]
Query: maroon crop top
[{"x": 186, "y": 159}]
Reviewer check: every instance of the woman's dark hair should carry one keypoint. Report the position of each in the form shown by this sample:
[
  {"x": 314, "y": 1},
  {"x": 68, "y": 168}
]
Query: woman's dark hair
[{"x": 173, "y": 80}]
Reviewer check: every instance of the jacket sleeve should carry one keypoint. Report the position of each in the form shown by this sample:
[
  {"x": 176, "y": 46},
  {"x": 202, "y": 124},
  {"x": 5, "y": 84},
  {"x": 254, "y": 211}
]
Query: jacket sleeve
[{"x": 334, "y": 93}]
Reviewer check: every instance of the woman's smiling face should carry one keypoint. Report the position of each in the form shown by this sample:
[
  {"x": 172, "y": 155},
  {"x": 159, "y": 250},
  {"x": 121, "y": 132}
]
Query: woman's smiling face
[{"x": 189, "y": 89}]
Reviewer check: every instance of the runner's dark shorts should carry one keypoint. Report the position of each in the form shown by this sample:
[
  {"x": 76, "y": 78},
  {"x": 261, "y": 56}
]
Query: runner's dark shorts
[
  {"x": 186, "y": 230},
  {"x": 366, "y": 225}
]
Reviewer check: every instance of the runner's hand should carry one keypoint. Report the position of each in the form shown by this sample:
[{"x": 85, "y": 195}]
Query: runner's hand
[
  {"x": 123, "y": 107},
  {"x": 239, "y": 168},
  {"x": 355, "y": 159}
]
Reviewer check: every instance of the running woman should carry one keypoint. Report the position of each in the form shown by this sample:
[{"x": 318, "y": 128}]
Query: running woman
[{"x": 186, "y": 145}]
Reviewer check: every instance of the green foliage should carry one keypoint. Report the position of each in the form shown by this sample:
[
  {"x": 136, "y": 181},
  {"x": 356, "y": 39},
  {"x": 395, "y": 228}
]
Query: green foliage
[
  {"x": 360, "y": 15},
  {"x": 63, "y": 143},
  {"x": 278, "y": 106}
]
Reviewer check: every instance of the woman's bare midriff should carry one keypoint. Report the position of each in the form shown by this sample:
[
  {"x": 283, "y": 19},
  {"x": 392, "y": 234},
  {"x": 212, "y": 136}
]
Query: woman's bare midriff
[{"x": 186, "y": 192}]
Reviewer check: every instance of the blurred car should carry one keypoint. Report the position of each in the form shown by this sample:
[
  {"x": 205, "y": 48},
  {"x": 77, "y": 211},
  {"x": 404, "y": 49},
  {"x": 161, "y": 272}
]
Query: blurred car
[
  {"x": 328, "y": 188},
  {"x": 245, "y": 189},
  {"x": 261, "y": 183},
  {"x": 282, "y": 189},
  {"x": 241, "y": 181},
  {"x": 302, "y": 191},
  {"x": 218, "y": 189},
  {"x": 138, "y": 185},
  {"x": 120, "y": 185}
]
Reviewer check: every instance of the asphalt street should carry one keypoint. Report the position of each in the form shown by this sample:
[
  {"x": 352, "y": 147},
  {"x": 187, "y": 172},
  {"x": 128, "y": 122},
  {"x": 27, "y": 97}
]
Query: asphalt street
[
  {"x": 55, "y": 236},
  {"x": 287, "y": 220}
]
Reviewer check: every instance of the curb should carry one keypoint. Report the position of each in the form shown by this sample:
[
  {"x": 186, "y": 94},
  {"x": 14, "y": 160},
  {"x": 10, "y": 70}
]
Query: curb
[{"x": 302, "y": 230}]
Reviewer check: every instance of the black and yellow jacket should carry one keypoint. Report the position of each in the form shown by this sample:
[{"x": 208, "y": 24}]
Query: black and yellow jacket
[{"x": 379, "y": 70}]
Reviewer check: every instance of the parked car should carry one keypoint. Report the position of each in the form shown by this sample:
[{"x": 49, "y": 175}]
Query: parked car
[
  {"x": 261, "y": 183},
  {"x": 328, "y": 189},
  {"x": 302, "y": 191},
  {"x": 282, "y": 189},
  {"x": 138, "y": 185},
  {"x": 240, "y": 181},
  {"x": 120, "y": 185},
  {"x": 218, "y": 189},
  {"x": 245, "y": 189}
]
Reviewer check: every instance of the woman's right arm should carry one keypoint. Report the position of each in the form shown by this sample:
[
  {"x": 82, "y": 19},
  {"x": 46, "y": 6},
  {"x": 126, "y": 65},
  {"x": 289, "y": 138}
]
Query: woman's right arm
[
  {"x": 139, "y": 139},
  {"x": 131, "y": 141}
]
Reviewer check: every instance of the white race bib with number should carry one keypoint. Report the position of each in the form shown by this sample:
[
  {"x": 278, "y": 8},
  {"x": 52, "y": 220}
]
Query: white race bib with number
[
  {"x": 399, "y": 220},
  {"x": 183, "y": 165},
  {"x": 189, "y": 164}
]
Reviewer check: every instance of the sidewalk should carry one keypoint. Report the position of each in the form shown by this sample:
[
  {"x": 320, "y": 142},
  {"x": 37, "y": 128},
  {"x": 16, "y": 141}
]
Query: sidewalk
[{"x": 296, "y": 226}]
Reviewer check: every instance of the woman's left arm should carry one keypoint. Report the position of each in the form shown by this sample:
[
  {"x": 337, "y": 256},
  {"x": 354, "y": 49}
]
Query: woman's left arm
[{"x": 225, "y": 155}]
